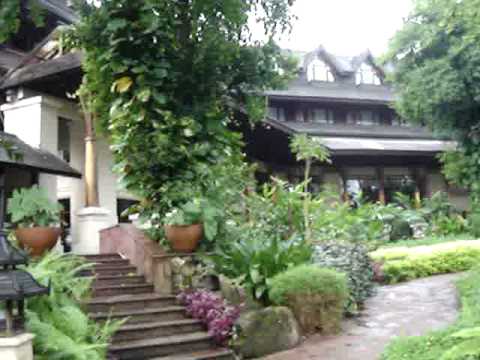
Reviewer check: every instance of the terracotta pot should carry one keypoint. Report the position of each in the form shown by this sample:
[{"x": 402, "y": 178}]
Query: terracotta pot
[
  {"x": 184, "y": 238},
  {"x": 37, "y": 240}
]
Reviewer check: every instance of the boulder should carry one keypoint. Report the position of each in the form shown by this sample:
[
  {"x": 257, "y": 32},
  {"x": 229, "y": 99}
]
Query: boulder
[{"x": 266, "y": 331}]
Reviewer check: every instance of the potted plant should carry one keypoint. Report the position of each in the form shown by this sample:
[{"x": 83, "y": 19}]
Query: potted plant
[
  {"x": 186, "y": 225},
  {"x": 36, "y": 219}
]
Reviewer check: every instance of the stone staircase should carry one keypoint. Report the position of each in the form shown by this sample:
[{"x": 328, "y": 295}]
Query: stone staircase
[{"x": 157, "y": 326}]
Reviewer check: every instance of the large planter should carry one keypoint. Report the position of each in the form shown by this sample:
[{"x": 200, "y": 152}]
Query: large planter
[
  {"x": 184, "y": 238},
  {"x": 37, "y": 240}
]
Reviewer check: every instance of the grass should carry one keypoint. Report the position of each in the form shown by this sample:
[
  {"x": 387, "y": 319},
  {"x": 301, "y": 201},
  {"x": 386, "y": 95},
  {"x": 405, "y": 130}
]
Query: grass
[
  {"x": 442, "y": 345},
  {"x": 407, "y": 263}
]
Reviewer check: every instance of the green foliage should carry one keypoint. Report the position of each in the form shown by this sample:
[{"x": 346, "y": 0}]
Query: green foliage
[
  {"x": 404, "y": 264},
  {"x": 474, "y": 221},
  {"x": 437, "y": 64},
  {"x": 354, "y": 261},
  {"x": 316, "y": 296},
  {"x": 168, "y": 78},
  {"x": 308, "y": 148},
  {"x": 62, "y": 329},
  {"x": 32, "y": 207},
  {"x": 253, "y": 259},
  {"x": 458, "y": 342},
  {"x": 10, "y": 14}
]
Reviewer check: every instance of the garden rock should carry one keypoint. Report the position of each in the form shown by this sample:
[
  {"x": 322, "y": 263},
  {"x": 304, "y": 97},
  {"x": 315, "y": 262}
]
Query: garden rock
[{"x": 266, "y": 331}]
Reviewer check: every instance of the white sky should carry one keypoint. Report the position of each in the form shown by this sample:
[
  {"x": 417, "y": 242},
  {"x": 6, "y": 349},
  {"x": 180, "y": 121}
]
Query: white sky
[{"x": 346, "y": 27}]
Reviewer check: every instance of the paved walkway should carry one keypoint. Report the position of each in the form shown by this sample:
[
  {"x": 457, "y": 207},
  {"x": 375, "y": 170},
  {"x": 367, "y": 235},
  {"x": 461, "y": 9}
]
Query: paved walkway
[{"x": 412, "y": 308}]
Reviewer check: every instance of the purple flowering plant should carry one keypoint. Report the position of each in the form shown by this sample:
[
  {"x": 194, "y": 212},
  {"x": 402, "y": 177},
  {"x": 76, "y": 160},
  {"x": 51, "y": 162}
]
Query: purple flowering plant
[{"x": 213, "y": 311}]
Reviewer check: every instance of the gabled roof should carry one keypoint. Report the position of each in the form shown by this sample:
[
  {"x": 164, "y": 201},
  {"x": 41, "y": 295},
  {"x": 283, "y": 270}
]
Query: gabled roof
[{"x": 342, "y": 65}]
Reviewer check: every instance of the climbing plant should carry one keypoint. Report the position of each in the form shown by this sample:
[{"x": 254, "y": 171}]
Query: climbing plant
[{"x": 168, "y": 79}]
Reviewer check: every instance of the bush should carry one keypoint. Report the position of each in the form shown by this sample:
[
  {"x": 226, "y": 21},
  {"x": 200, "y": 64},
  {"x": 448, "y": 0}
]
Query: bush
[
  {"x": 316, "y": 295},
  {"x": 411, "y": 263},
  {"x": 354, "y": 261},
  {"x": 461, "y": 341},
  {"x": 79, "y": 338}
]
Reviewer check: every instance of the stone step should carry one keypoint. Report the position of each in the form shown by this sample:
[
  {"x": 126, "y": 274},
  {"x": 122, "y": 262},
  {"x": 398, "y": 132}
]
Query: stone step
[
  {"x": 106, "y": 280},
  {"x": 110, "y": 262},
  {"x": 168, "y": 313},
  {"x": 112, "y": 290},
  {"x": 130, "y": 302},
  {"x": 111, "y": 270},
  {"x": 99, "y": 257},
  {"x": 221, "y": 354},
  {"x": 131, "y": 332},
  {"x": 164, "y": 346}
]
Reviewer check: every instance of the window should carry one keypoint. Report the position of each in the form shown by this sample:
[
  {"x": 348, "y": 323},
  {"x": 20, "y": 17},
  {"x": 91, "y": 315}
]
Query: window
[
  {"x": 277, "y": 113},
  {"x": 321, "y": 116},
  {"x": 64, "y": 138},
  {"x": 367, "y": 75},
  {"x": 65, "y": 214},
  {"x": 364, "y": 117},
  {"x": 319, "y": 71},
  {"x": 122, "y": 205}
]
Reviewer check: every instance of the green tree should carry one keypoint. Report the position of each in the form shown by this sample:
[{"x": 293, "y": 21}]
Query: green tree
[{"x": 437, "y": 77}]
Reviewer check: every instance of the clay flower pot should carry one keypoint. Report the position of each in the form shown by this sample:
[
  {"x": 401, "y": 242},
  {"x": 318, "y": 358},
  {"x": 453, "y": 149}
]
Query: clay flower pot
[
  {"x": 37, "y": 240},
  {"x": 184, "y": 238}
]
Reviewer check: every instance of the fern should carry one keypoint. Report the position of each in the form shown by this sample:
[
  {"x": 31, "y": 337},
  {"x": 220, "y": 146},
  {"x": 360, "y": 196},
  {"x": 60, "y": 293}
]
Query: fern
[{"x": 63, "y": 331}]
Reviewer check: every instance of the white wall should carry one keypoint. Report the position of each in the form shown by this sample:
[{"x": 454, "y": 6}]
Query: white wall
[{"x": 35, "y": 121}]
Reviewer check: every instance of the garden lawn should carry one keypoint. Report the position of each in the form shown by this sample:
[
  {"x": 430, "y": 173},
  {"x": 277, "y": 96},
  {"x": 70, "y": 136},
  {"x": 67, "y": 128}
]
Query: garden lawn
[
  {"x": 449, "y": 343},
  {"x": 429, "y": 240},
  {"x": 408, "y": 263}
]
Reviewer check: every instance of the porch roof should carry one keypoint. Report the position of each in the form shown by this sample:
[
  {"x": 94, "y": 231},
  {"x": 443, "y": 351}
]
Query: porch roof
[
  {"x": 364, "y": 146},
  {"x": 33, "y": 159}
]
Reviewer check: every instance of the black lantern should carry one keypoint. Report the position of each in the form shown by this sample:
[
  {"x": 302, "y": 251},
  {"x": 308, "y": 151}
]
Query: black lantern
[{"x": 15, "y": 285}]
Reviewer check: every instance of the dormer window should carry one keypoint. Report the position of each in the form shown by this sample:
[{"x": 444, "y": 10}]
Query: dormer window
[
  {"x": 367, "y": 75},
  {"x": 319, "y": 71}
]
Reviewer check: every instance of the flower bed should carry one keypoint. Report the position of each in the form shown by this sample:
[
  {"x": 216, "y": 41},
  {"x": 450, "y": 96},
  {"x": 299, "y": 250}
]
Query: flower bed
[{"x": 402, "y": 264}]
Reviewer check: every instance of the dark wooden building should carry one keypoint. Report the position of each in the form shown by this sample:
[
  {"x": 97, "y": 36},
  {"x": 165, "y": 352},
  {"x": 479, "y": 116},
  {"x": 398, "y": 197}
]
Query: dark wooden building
[{"x": 345, "y": 103}]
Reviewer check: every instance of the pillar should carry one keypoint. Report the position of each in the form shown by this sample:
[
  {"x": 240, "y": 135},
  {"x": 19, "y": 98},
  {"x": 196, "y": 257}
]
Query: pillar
[{"x": 381, "y": 185}]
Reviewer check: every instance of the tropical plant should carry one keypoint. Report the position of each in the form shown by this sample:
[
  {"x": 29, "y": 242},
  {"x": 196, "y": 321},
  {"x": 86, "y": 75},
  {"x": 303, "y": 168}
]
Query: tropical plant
[
  {"x": 212, "y": 311},
  {"x": 32, "y": 207},
  {"x": 354, "y": 261},
  {"x": 79, "y": 338},
  {"x": 316, "y": 295},
  {"x": 308, "y": 149},
  {"x": 254, "y": 258}
]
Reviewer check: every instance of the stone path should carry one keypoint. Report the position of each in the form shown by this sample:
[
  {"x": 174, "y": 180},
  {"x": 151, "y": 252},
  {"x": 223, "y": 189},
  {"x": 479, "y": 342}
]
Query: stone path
[{"x": 412, "y": 308}]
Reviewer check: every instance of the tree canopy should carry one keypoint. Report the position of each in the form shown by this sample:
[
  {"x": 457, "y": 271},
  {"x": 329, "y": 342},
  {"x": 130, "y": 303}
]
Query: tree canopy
[{"x": 437, "y": 77}]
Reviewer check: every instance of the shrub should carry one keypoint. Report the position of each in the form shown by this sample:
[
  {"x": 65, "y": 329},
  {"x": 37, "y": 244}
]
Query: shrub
[
  {"x": 316, "y": 295},
  {"x": 212, "y": 311},
  {"x": 353, "y": 260},
  {"x": 79, "y": 338},
  {"x": 411, "y": 263}
]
